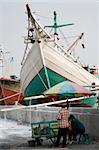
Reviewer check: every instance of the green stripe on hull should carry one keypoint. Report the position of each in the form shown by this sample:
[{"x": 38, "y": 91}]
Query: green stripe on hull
[
  {"x": 36, "y": 86},
  {"x": 54, "y": 78},
  {"x": 90, "y": 101}
]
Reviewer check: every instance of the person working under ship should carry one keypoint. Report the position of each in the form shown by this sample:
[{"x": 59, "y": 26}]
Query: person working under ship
[
  {"x": 77, "y": 128},
  {"x": 63, "y": 125}
]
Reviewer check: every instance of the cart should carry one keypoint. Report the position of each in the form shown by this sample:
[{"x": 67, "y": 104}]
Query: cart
[{"x": 43, "y": 131}]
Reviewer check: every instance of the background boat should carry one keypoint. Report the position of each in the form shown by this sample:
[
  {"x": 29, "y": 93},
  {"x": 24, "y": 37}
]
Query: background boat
[
  {"x": 93, "y": 70},
  {"x": 10, "y": 91},
  {"x": 9, "y": 85}
]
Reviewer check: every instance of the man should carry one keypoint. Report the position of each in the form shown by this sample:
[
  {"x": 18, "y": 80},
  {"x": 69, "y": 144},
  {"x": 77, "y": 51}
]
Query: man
[
  {"x": 77, "y": 127},
  {"x": 63, "y": 125}
]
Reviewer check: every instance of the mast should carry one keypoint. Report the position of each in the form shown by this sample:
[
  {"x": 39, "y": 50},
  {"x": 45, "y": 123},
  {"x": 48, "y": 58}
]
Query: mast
[
  {"x": 55, "y": 26},
  {"x": 45, "y": 34},
  {"x": 75, "y": 42}
]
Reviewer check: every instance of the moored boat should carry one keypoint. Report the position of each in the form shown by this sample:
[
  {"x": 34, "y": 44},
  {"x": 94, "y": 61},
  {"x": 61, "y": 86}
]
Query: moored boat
[
  {"x": 93, "y": 70},
  {"x": 46, "y": 63},
  {"x": 10, "y": 91},
  {"x": 9, "y": 86}
]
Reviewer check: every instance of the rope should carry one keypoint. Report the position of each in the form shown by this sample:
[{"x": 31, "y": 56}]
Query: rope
[
  {"x": 26, "y": 44},
  {"x": 41, "y": 105},
  {"x": 65, "y": 39},
  {"x": 2, "y": 99},
  {"x": 42, "y": 16}
]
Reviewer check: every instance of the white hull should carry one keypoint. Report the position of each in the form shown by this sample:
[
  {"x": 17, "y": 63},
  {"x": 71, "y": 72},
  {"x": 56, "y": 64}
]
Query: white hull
[
  {"x": 56, "y": 59},
  {"x": 57, "y": 62}
]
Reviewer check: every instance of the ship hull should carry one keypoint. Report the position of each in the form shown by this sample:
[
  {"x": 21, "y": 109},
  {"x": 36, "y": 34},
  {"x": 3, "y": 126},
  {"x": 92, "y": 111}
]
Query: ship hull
[
  {"x": 37, "y": 87},
  {"x": 89, "y": 102},
  {"x": 44, "y": 65},
  {"x": 10, "y": 91}
]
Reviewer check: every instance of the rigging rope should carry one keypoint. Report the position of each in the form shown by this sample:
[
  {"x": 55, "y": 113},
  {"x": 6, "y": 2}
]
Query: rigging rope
[
  {"x": 65, "y": 39},
  {"x": 42, "y": 16}
]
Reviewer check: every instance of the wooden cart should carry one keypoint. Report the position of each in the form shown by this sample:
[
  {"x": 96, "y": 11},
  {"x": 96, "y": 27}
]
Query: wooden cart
[{"x": 43, "y": 131}]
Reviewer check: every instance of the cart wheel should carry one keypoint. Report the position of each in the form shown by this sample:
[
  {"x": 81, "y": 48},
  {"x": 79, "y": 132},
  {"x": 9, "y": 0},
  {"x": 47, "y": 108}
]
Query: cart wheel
[
  {"x": 85, "y": 138},
  {"x": 39, "y": 142},
  {"x": 53, "y": 140},
  {"x": 54, "y": 137},
  {"x": 31, "y": 143}
]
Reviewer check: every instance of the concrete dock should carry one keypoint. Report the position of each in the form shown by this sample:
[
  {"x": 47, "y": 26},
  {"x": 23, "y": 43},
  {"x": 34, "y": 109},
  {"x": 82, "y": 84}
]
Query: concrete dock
[{"x": 90, "y": 118}]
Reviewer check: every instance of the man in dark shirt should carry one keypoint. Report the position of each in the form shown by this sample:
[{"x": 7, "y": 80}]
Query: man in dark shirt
[{"x": 77, "y": 127}]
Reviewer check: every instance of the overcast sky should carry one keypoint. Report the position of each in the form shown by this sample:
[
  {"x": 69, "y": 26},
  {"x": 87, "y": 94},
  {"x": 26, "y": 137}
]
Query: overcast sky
[{"x": 84, "y": 14}]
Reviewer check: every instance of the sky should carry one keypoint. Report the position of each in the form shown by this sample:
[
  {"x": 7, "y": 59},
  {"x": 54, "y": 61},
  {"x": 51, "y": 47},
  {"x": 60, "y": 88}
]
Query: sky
[{"x": 13, "y": 27}]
